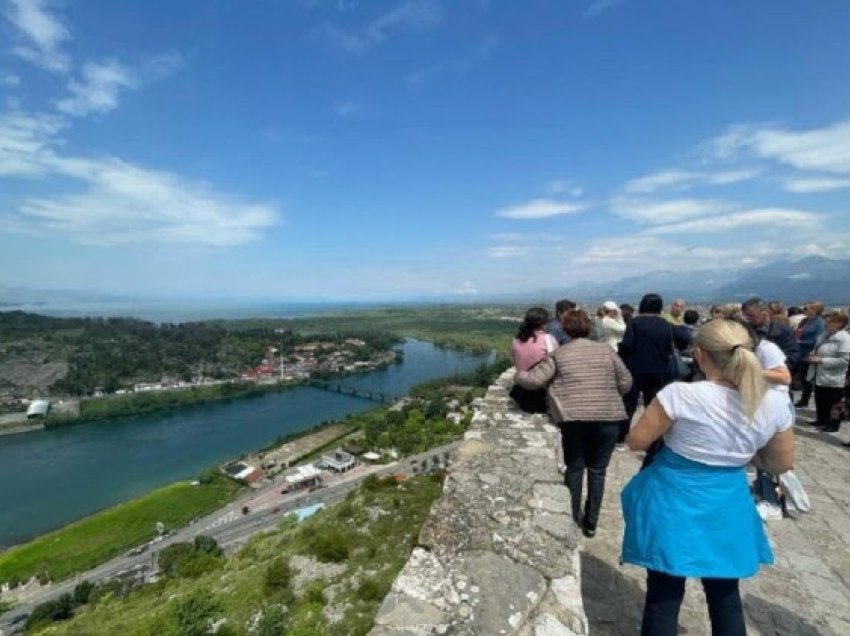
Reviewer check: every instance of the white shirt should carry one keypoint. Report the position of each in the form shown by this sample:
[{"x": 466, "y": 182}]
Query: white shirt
[
  {"x": 710, "y": 423},
  {"x": 613, "y": 330},
  {"x": 771, "y": 357}
]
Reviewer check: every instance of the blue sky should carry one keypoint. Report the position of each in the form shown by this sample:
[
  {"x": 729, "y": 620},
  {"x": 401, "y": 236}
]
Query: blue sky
[{"x": 390, "y": 150}]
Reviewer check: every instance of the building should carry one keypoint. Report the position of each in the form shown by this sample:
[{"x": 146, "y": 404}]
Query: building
[
  {"x": 38, "y": 408},
  {"x": 339, "y": 461},
  {"x": 302, "y": 477}
]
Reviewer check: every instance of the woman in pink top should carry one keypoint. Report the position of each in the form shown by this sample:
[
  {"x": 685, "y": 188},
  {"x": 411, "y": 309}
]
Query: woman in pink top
[{"x": 530, "y": 346}]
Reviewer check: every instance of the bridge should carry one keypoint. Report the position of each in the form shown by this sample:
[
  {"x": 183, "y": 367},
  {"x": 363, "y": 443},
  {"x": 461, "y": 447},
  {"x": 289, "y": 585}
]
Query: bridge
[{"x": 365, "y": 394}]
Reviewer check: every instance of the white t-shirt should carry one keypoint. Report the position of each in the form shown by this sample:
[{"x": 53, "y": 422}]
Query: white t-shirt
[
  {"x": 710, "y": 423},
  {"x": 771, "y": 356}
]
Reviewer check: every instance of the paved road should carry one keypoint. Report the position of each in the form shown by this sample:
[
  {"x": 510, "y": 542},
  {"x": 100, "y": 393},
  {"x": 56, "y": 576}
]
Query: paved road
[
  {"x": 807, "y": 592},
  {"x": 228, "y": 526}
]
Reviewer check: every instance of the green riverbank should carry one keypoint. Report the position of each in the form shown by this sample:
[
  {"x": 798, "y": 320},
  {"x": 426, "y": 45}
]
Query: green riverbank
[{"x": 93, "y": 540}]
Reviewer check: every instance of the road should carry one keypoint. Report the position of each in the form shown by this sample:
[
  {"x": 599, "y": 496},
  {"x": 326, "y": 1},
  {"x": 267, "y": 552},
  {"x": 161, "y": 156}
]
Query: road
[{"x": 228, "y": 526}]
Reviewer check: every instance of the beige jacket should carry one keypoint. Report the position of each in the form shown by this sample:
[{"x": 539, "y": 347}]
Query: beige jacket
[{"x": 586, "y": 381}]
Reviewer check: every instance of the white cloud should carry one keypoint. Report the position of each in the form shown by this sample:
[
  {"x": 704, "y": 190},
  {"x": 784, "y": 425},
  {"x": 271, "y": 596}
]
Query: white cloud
[
  {"x": 458, "y": 65},
  {"x": 825, "y": 149},
  {"x": 565, "y": 186},
  {"x": 661, "y": 212},
  {"x": 418, "y": 15},
  {"x": 597, "y": 7},
  {"x": 507, "y": 251},
  {"x": 42, "y": 34},
  {"x": 98, "y": 91},
  {"x": 414, "y": 15},
  {"x": 120, "y": 203},
  {"x": 25, "y": 143},
  {"x": 539, "y": 209},
  {"x": 815, "y": 185},
  {"x": 686, "y": 179},
  {"x": 9, "y": 79},
  {"x": 765, "y": 219}
]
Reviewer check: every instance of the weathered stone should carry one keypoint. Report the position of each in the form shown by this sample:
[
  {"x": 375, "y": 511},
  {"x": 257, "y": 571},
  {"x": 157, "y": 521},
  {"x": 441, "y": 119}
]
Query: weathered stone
[{"x": 398, "y": 610}]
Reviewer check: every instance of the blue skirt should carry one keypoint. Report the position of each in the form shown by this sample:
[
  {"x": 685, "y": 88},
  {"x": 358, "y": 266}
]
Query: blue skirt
[{"x": 689, "y": 519}]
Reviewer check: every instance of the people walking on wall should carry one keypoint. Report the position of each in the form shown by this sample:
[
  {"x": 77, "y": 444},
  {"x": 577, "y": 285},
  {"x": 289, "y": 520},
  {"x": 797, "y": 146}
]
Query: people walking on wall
[
  {"x": 828, "y": 365},
  {"x": 690, "y": 513},
  {"x": 675, "y": 315},
  {"x": 531, "y": 345},
  {"x": 755, "y": 311},
  {"x": 807, "y": 334},
  {"x": 554, "y": 326},
  {"x": 646, "y": 349},
  {"x": 586, "y": 381},
  {"x": 613, "y": 327}
]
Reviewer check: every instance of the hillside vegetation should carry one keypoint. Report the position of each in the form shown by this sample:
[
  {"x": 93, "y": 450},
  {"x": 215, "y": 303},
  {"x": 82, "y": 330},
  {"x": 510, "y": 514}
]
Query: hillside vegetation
[{"x": 324, "y": 577}]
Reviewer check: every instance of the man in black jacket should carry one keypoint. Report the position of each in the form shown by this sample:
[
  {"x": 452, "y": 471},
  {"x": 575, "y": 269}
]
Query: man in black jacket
[{"x": 755, "y": 311}]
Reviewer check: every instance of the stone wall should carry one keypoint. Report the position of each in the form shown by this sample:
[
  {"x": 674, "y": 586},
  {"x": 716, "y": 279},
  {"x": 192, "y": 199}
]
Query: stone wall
[{"x": 499, "y": 553}]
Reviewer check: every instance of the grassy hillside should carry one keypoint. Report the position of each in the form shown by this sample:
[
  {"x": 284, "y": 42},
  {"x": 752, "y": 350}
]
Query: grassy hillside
[{"x": 325, "y": 577}]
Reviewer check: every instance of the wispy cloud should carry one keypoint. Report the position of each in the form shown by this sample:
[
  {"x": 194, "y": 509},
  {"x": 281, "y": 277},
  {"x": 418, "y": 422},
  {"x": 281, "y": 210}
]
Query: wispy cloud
[
  {"x": 565, "y": 186},
  {"x": 120, "y": 203},
  {"x": 507, "y": 251},
  {"x": 598, "y": 7},
  {"x": 825, "y": 149},
  {"x": 767, "y": 219},
  {"x": 457, "y": 65},
  {"x": 98, "y": 90},
  {"x": 9, "y": 79},
  {"x": 414, "y": 15},
  {"x": 539, "y": 209},
  {"x": 673, "y": 211},
  {"x": 41, "y": 34},
  {"x": 815, "y": 185},
  {"x": 686, "y": 179}
]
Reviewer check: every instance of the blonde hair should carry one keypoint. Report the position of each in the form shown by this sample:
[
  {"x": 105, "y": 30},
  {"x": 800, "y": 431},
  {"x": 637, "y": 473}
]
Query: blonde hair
[
  {"x": 729, "y": 346},
  {"x": 731, "y": 311},
  {"x": 816, "y": 307}
]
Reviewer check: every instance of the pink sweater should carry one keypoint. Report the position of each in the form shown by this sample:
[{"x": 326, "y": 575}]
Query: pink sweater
[{"x": 527, "y": 354}]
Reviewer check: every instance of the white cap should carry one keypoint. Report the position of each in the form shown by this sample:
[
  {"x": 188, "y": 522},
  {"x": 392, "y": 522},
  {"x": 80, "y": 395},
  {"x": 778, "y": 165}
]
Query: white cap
[{"x": 610, "y": 305}]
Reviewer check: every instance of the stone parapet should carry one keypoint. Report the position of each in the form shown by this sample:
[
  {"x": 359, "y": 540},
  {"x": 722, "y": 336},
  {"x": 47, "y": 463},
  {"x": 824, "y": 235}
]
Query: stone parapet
[{"x": 499, "y": 553}]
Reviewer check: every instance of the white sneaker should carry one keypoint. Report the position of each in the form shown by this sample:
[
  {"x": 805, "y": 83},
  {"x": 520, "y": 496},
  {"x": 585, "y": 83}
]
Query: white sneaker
[
  {"x": 768, "y": 511},
  {"x": 620, "y": 448}
]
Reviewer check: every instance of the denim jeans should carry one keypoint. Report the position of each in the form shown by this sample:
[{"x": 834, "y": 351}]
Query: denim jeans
[
  {"x": 664, "y": 594},
  {"x": 587, "y": 446}
]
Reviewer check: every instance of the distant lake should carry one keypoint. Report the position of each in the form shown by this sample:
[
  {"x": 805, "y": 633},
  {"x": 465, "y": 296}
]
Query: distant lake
[{"x": 52, "y": 477}]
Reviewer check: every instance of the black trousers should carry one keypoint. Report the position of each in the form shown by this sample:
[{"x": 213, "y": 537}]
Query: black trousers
[
  {"x": 806, "y": 386},
  {"x": 664, "y": 595},
  {"x": 645, "y": 384},
  {"x": 825, "y": 398},
  {"x": 587, "y": 446}
]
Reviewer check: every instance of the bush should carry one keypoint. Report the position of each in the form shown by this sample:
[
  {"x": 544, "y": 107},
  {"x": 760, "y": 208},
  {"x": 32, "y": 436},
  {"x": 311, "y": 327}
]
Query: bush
[
  {"x": 204, "y": 543},
  {"x": 207, "y": 475},
  {"x": 194, "y": 613},
  {"x": 197, "y": 563},
  {"x": 278, "y": 578},
  {"x": 372, "y": 590},
  {"x": 169, "y": 557},
  {"x": 82, "y": 592},
  {"x": 330, "y": 546},
  {"x": 52, "y": 611},
  {"x": 314, "y": 592},
  {"x": 273, "y": 622}
]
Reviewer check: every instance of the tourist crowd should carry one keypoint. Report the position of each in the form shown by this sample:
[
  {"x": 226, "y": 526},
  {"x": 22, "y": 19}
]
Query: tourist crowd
[{"x": 717, "y": 396}]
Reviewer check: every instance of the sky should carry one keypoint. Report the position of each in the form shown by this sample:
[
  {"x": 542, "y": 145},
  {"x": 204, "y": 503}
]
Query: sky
[{"x": 380, "y": 150}]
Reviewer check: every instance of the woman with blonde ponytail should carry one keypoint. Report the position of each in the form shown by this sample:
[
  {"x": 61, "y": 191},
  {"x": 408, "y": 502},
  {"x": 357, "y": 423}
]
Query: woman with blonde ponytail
[{"x": 690, "y": 513}]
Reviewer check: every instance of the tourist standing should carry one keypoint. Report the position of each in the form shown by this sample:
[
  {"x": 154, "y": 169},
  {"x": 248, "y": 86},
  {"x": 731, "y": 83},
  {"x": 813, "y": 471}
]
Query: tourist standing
[
  {"x": 690, "y": 513},
  {"x": 554, "y": 326},
  {"x": 586, "y": 381},
  {"x": 756, "y": 312},
  {"x": 613, "y": 327},
  {"x": 675, "y": 315},
  {"x": 646, "y": 349},
  {"x": 807, "y": 334},
  {"x": 530, "y": 346},
  {"x": 828, "y": 369}
]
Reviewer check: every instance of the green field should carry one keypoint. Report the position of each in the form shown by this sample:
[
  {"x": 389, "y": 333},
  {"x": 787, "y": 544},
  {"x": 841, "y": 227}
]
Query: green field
[{"x": 95, "y": 539}]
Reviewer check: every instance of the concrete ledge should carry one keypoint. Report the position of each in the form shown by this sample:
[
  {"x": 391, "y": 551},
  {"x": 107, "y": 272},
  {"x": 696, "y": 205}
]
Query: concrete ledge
[{"x": 499, "y": 553}]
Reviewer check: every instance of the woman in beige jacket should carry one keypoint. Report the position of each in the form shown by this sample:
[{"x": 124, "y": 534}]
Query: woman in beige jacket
[{"x": 586, "y": 381}]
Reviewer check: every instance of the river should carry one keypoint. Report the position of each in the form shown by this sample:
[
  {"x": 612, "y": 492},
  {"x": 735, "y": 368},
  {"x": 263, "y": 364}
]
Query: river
[{"x": 51, "y": 477}]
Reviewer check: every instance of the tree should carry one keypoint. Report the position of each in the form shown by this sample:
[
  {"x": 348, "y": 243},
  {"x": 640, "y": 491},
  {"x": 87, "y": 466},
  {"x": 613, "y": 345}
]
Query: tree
[{"x": 204, "y": 543}]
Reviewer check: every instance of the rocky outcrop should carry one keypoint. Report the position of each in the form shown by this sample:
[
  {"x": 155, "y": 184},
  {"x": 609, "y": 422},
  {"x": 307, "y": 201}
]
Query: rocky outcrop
[{"x": 499, "y": 552}]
